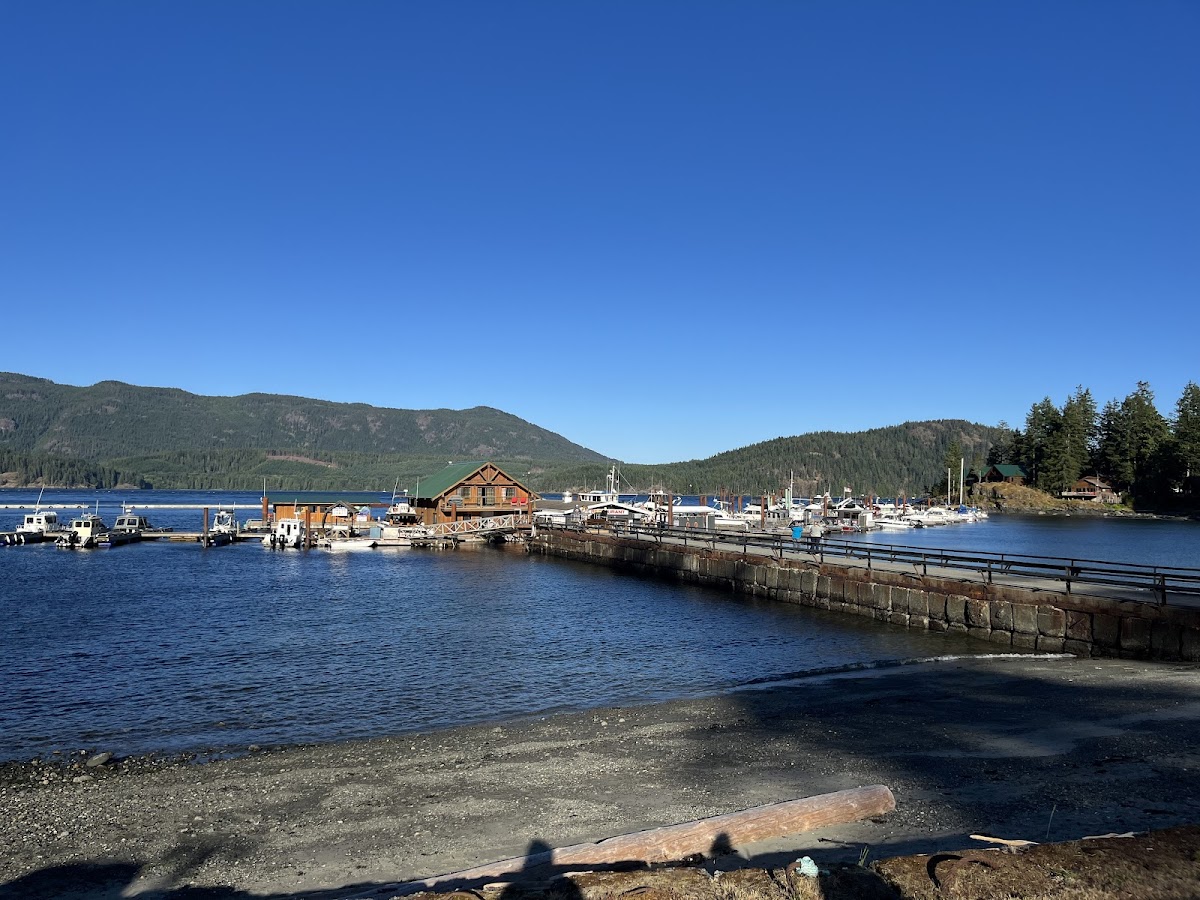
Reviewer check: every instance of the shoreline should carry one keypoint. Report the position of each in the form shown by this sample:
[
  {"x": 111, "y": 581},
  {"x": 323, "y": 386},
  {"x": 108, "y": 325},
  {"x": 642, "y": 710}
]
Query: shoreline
[{"x": 970, "y": 745}]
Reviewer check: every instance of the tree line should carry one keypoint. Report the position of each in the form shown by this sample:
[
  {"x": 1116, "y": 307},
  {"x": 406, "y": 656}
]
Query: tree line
[{"x": 1150, "y": 459}]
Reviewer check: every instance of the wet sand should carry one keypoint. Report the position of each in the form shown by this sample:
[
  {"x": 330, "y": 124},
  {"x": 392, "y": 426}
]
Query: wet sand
[{"x": 1018, "y": 748}]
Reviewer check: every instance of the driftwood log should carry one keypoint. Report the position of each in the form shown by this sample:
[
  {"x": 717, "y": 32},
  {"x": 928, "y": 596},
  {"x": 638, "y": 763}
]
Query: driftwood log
[{"x": 676, "y": 842}]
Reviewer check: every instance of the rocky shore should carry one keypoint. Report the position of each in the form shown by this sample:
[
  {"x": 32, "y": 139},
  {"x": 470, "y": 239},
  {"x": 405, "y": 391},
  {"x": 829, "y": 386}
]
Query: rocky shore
[{"x": 1038, "y": 749}]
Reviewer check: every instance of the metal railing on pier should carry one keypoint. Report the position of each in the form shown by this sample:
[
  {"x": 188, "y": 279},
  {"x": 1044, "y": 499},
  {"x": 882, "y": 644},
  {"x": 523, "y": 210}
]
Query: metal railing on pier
[{"x": 1142, "y": 583}]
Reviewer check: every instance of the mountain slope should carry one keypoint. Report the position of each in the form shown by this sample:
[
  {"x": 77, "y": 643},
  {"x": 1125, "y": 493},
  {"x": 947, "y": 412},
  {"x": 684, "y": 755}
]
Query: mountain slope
[
  {"x": 905, "y": 458},
  {"x": 112, "y": 419}
]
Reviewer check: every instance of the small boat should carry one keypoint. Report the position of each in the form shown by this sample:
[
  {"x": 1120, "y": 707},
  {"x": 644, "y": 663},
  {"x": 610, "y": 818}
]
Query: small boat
[
  {"x": 83, "y": 533},
  {"x": 224, "y": 529},
  {"x": 37, "y": 527},
  {"x": 286, "y": 533},
  {"x": 346, "y": 544},
  {"x": 401, "y": 524}
]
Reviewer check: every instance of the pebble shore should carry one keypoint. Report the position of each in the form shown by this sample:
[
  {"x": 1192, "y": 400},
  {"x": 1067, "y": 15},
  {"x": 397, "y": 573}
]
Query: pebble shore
[{"x": 1035, "y": 749}]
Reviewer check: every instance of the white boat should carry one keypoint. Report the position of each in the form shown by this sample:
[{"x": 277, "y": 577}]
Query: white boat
[
  {"x": 935, "y": 515},
  {"x": 894, "y": 523},
  {"x": 286, "y": 533},
  {"x": 346, "y": 544},
  {"x": 224, "y": 529},
  {"x": 37, "y": 527},
  {"x": 609, "y": 495},
  {"x": 401, "y": 523},
  {"x": 83, "y": 533}
]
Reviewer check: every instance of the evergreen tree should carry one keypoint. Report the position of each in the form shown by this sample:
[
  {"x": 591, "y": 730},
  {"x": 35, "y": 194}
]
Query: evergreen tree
[
  {"x": 1112, "y": 455},
  {"x": 1147, "y": 435},
  {"x": 1186, "y": 429},
  {"x": 1042, "y": 425}
]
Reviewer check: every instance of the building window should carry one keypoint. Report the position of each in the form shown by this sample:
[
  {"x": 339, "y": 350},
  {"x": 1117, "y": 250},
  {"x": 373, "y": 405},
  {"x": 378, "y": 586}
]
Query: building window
[
  {"x": 465, "y": 493},
  {"x": 489, "y": 496},
  {"x": 510, "y": 494}
]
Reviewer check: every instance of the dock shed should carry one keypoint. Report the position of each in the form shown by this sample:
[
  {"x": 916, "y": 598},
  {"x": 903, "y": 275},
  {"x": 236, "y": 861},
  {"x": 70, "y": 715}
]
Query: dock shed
[
  {"x": 326, "y": 510},
  {"x": 471, "y": 490}
]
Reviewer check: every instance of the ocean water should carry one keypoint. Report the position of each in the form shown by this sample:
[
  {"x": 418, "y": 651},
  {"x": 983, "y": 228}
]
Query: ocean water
[{"x": 169, "y": 647}]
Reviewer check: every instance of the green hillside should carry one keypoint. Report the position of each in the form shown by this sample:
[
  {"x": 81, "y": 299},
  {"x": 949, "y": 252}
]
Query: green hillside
[
  {"x": 887, "y": 461},
  {"x": 113, "y": 433},
  {"x": 112, "y": 419}
]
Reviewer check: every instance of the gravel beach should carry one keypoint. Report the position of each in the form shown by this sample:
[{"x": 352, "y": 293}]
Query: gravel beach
[{"x": 1032, "y": 748}]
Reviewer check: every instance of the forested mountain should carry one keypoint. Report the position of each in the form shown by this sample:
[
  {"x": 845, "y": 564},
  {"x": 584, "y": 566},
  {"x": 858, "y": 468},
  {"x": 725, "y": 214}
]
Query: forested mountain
[
  {"x": 900, "y": 459},
  {"x": 113, "y": 433},
  {"x": 112, "y": 419}
]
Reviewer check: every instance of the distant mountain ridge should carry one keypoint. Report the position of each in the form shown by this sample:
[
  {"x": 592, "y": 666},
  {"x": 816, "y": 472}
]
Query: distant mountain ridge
[
  {"x": 112, "y": 419},
  {"x": 896, "y": 459},
  {"x": 114, "y": 433}
]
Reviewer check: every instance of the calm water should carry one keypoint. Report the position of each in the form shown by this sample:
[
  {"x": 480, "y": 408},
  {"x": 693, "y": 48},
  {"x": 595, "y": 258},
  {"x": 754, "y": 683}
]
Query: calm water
[{"x": 170, "y": 647}]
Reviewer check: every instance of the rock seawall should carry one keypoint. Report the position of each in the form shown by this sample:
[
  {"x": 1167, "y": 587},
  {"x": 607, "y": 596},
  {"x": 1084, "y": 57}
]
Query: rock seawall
[{"x": 1008, "y": 616}]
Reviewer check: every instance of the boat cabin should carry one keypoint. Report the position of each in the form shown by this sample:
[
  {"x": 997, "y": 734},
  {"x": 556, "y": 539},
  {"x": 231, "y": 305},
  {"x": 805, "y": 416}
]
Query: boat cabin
[
  {"x": 132, "y": 524},
  {"x": 39, "y": 523}
]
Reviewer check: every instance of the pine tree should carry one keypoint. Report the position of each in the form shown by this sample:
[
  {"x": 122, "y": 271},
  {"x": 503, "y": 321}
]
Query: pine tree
[{"x": 1186, "y": 428}]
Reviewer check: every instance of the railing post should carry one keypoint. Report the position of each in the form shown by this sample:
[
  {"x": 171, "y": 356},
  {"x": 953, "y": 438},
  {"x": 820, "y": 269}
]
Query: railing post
[{"x": 1161, "y": 588}]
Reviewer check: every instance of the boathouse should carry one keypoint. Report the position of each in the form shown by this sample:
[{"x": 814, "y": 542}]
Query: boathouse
[
  {"x": 470, "y": 490},
  {"x": 325, "y": 510}
]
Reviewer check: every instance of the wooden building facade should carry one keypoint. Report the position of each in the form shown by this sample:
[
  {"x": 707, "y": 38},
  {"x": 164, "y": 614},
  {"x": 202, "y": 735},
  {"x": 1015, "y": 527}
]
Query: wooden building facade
[
  {"x": 325, "y": 510},
  {"x": 469, "y": 491}
]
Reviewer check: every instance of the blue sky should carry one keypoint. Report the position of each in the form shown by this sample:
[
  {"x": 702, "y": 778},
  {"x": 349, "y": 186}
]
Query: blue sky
[{"x": 661, "y": 229}]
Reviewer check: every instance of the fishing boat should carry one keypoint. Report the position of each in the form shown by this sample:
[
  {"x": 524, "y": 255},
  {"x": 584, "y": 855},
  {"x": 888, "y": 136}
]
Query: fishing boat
[
  {"x": 401, "y": 524},
  {"x": 286, "y": 533},
  {"x": 83, "y": 533},
  {"x": 37, "y": 527},
  {"x": 224, "y": 529}
]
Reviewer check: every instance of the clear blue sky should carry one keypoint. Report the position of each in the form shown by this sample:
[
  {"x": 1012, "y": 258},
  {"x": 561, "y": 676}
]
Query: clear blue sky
[{"x": 661, "y": 229}]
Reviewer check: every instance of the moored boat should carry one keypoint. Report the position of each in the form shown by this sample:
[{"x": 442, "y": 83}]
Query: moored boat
[
  {"x": 224, "y": 529},
  {"x": 83, "y": 533},
  {"x": 37, "y": 527},
  {"x": 346, "y": 544},
  {"x": 286, "y": 533}
]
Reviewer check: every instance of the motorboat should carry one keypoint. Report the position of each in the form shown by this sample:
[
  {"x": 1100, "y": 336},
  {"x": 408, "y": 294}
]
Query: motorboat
[
  {"x": 224, "y": 529},
  {"x": 83, "y": 533},
  {"x": 285, "y": 533},
  {"x": 346, "y": 544},
  {"x": 37, "y": 527}
]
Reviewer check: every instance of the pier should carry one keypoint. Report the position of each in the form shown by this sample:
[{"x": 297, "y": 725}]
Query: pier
[{"x": 1084, "y": 607}]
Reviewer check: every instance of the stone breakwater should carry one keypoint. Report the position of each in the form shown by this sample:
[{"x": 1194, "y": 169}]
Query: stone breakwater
[{"x": 1007, "y": 615}]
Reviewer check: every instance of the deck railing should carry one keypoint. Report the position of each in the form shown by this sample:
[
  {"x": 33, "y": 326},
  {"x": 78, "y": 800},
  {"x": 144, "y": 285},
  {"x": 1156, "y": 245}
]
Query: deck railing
[
  {"x": 1159, "y": 583},
  {"x": 479, "y": 524}
]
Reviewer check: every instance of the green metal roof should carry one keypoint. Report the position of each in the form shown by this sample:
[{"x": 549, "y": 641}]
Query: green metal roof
[
  {"x": 330, "y": 498},
  {"x": 1008, "y": 471},
  {"x": 436, "y": 485}
]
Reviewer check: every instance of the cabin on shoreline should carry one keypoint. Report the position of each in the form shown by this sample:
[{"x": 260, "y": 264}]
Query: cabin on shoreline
[{"x": 470, "y": 490}]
